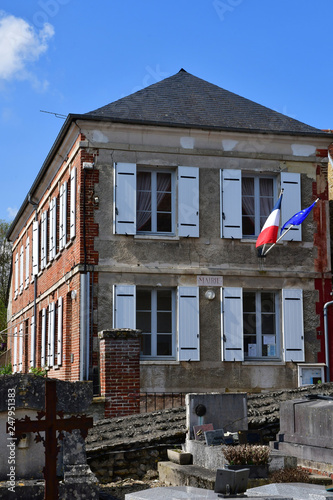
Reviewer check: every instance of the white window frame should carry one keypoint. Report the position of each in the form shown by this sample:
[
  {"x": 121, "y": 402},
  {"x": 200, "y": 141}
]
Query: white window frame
[
  {"x": 154, "y": 333},
  {"x": 259, "y": 334},
  {"x": 257, "y": 200},
  {"x": 51, "y": 335},
  {"x": 153, "y": 175},
  {"x": 231, "y": 202},
  {"x": 35, "y": 248},
  {"x": 44, "y": 339},
  {"x": 185, "y": 200}
]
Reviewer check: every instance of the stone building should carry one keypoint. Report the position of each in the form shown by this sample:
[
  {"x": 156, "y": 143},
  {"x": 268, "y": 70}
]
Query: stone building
[{"x": 145, "y": 215}]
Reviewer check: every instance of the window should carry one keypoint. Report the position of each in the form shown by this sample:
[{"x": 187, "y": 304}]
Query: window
[
  {"x": 145, "y": 200},
  {"x": 260, "y": 324},
  {"x": 169, "y": 320},
  {"x": 254, "y": 327},
  {"x": 154, "y": 203},
  {"x": 257, "y": 203},
  {"x": 155, "y": 317},
  {"x": 27, "y": 262},
  {"x": 247, "y": 200},
  {"x": 21, "y": 268}
]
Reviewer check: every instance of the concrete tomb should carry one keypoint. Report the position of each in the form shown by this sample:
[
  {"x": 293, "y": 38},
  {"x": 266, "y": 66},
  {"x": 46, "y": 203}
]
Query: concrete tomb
[{"x": 306, "y": 430}]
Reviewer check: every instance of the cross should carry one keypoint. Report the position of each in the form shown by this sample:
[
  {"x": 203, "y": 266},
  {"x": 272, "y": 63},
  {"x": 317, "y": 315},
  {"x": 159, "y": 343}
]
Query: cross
[{"x": 50, "y": 426}]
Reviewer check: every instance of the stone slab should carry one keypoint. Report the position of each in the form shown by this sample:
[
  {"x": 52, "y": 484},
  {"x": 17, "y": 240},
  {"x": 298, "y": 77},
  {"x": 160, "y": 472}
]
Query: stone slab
[
  {"x": 187, "y": 493},
  {"x": 297, "y": 491},
  {"x": 214, "y": 438}
]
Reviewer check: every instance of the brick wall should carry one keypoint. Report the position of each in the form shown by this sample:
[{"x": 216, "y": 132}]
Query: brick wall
[{"x": 120, "y": 371}]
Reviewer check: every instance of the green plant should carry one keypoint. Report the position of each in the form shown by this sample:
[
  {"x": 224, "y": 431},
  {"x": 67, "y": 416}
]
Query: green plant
[
  {"x": 39, "y": 372},
  {"x": 296, "y": 475},
  {"x": 6, "y": 370},
  {"x": 246, "y": 454}
]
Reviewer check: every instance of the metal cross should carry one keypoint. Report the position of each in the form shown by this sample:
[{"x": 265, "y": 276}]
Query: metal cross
[{"x": 51, "y": 425}]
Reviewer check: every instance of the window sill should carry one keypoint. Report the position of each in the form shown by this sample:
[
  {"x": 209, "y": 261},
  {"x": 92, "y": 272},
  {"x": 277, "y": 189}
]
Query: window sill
[
  {"x": 156, "y": 237},
  {"x": 262, "y": 362},
  {"x": 159, "y": 362}
]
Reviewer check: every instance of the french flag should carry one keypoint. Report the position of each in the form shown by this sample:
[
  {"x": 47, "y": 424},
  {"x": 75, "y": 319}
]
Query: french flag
[{"x": 270, "y": 229}]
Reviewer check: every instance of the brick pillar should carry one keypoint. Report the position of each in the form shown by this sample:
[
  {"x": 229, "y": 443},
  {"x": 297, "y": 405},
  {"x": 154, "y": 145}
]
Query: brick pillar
[{"x": 120, "y": 371}]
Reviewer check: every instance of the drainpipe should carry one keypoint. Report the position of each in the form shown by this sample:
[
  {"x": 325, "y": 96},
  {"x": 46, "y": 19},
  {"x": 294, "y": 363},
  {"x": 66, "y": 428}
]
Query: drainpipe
[{"x": 327, "y": 357}]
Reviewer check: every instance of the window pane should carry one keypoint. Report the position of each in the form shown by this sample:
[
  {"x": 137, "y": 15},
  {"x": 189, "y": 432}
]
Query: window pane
[
  {"x": 164, "y": 182},
  {"x": 250, "y": 348},
  {"x": 164, "y": 222},
  {"x": 249, "y": 302},
  {"x": 143, "y": 301},
  {"x": 143, "y": 321},
  {"x": 268, "y": 324},
  {"x": 164, "y": 322},
  {"x": 249, "y": 323},
  {"x": 143, "y": 201},
  {"x": 164, "y": 345},
  {"x": 164, "y": 300},
  {"x": 266, "y": 198},
  {"x": 164, "y": 202},
  {"x": 267, "y": 302},
  {"x": 146, "y": 345},
  {"x": 248, "y": 219}
]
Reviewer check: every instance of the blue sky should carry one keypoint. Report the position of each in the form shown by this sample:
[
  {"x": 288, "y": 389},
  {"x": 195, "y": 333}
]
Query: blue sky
[{"x": 71, "y": 56}]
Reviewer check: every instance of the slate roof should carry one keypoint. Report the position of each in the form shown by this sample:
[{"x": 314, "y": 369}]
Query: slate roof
[{"x": 187, "y": 101}]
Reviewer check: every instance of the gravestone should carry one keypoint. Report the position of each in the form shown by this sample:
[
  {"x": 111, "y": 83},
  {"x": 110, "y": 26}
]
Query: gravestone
[
  {"x": 306, "y": 430},
  {"x": 23, "y": 397},
  {"x": 227, "y": 411},
  {"x": 214, "y": 438},
  {"x": 199, "y": 431}
]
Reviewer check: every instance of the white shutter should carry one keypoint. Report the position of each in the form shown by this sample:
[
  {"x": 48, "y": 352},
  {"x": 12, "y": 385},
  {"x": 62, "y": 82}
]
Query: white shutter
[
  {"x": 15, "y": 351},
  {"x": 233, "y": 324},
  {"x": 32, "y": 343},
  {"x": 124, "y": 306},
  {"x": 16, "y": 266},
  {"x": 188, "y": 324},
  {"x": 43, "y": 340},
  {"x": 59, "y": 339},
  {"x": 21, "y": 268},
  {"x": 20, "y": 363},
  {"x": 53, "y": 229},
  {"x": 27, "y": 262},
  {"x": 291, "y": 203},
  {"x": 231, "y": 204},
  {"x": 188, "y": 201},
  {"x": 43, "y": 240},
  {"x": 63, "y": 216},
  {"x": 35, "y": 248},
  {"x": 124, "y": 219},
  {"x": 73, "y": 203},
  {"x": 293, "y": 330},
  {"x": 51, "y": 332}
]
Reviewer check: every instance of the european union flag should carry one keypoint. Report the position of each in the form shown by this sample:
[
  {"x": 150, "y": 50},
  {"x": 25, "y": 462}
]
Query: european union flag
[{"x": 298, "y": 218}]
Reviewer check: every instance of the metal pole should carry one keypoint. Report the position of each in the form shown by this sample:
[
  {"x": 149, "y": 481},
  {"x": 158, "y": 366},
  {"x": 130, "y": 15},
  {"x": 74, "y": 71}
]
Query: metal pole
[{"x": 327, "y": 357}]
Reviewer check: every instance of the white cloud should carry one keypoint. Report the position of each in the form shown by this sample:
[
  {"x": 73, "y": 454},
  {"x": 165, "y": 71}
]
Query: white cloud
[
  {"x": 11, "y": 212},
  {"x": 21, "y": 44}
]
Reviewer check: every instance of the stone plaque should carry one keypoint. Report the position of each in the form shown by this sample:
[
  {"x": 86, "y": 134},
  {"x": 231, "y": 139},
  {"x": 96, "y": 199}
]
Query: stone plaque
[
  {"x": 214, "y": 438},
  {"x": 210, "y": 280},
  {"x": 199, "y": 431}
]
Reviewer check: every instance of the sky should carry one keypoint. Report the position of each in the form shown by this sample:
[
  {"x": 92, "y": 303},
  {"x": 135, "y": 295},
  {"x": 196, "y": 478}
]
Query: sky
[{"x": 74, "y": 56}]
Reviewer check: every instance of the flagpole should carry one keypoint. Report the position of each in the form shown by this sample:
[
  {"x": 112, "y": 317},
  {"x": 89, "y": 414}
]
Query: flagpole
[{"x": 277, "y": 241}]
